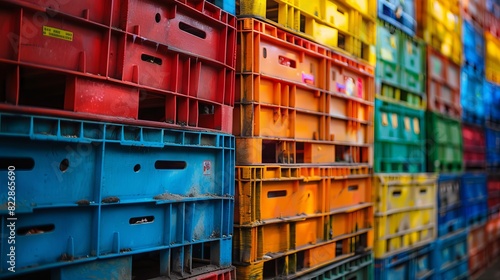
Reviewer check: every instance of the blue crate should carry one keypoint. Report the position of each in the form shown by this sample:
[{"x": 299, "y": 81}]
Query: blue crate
[
  {"x": 473, "y": 188},
  {"x": 227, "y": 5},
  {"x": 451, "y": 220},
  {"x": 474, "y": 47},
  {"x": 476, "y": 213},
  {"x": 493, "y": 148},
  {"x": 471, "y": 97},
  {"x": 492, "y": 102},
  {"x": 356, "y": 267},
  {"x": 387, "y": 11},
  {"x": 414, "y": 264},
  {"x": 449, "y": 187},
  {"x": 50, "y": 237},
  {"x": 451, "y": 257},
  {"x": 112, "y": 269}
]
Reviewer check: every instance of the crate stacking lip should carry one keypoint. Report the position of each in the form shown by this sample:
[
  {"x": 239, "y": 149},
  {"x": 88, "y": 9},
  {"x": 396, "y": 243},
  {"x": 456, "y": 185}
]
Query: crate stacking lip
[
  {"x": 400, "y": 67},
  {"x": 124, "y": 68},
  {"x": 94, "y": 191},
  {"x": 405, "y": 212},
  {"x": 441, "y": 27},
  {"x": 474, "y": 195},
  {"x": 343, "y": 25},
  {"x": 417, "y": 263},
  {"x": 274, "y": 53},
  {"x": 444, "y": 143},
  {"x": 399, "y": 138},
  {"x": 451, "y": 256},
  {"x": 269, "y": 194},
  {"x": 277, "y": 109},
  {"x": 451, "y": 216},
  {"x": 401, "y": 15},
  {"x": 472, "y": 88}
]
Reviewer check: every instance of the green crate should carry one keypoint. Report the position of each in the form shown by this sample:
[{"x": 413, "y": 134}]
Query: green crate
[
  {"x": 444, "y": 143},
  {"x": 399, "y": 138},
  {"x": 400, "y": 67}
]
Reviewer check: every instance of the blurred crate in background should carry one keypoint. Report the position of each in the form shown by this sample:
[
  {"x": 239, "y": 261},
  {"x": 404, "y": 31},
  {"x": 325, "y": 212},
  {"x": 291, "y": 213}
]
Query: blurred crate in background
[
  {"x": 474, "y": 147},
  {"x": 474, "y": 195},
  {"x": 493, "y": 149},
  {"x": 399, "y": 138},
  {"x": 492, "y": 17},
  {"x": 443, "y": 85},
  {"x": 492, "y": 104},
  {"x": 477, "y": 245},
  {"x": 492, "y": 60},
  {"x": 493, "y": 194},
  {"x": 405, "y": 212},
  {"x": 440, "y": 24},
  {"x": 399, "y": 14},
  {"x": 451, "y": 256},
  {"x": 343, "y": 25},
  {"x": 473, "y": 11},
  {"x": 400, "y": 67},
  {"x": 472, "y": 98},
  {"x": 450, "y": 206},
  {"x": 444, "y": 143},
  {"x": 417, "y": 263},
  {"x": 356, "y": 267},
  {"x": 474, "y": 48}
]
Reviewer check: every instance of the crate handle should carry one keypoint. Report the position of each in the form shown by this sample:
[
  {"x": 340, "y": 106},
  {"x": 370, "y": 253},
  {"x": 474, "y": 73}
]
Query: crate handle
[
  {"x": 32, "y": 230},
  {"x": 23, "y": 163},
  {"x": 396, "y": 193},
  {"x": 285, "y": 61},
  {"x": 170, "y": 164},
  {"x": 192, "y": 30},
  {"x": 274, "y": 194},
  {"x": 352, "y": 188},
  {"x": 422, "y": 191},
  {"x": 141, "y": 220},
  {"x": 151, "y": 59}
]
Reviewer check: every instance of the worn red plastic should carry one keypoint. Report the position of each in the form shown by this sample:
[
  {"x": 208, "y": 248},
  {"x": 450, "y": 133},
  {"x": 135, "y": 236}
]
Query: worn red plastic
[{"x": 474, "y": 143}]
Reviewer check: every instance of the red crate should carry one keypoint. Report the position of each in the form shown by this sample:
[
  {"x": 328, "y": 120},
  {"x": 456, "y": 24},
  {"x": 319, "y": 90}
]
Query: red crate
[
  {"x": 443, "y": 85},
  {"x": 196, "y": 27},
  {"x": 477, "y": 242},
  {"x": 491, "y": 21},
  {"x": 494, "y": 194},
  {"x": 474, "y": 146},
  {"x": 473, "y": 10}
]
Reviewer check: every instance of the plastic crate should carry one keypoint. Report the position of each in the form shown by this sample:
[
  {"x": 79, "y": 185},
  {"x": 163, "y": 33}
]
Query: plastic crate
[
  {"x": 474, "y": 47},
  {"x": 474, "y": 145},
  {"x": 451, "y": 256},
  {"x": 450, "y": 209},
  {"x": 472, "y": 97},
  {"x": 444, "y": 143},
  {"x": 492, "y": 18},
  {"x": 299, "y": 112},
  {"x": 440, "y": 24},
  {"x": 405, "y": 212},
  {"x": 281, "y": 236},
  {"x": 401, "y": 15},
  {"x": 493, "y": 194},
  {"x": 473, "y": 10},
  {"x": 297, "y": 192},
  {"x": 443, "y": 85},
  {"x": 474, "y": 198},
  {"x": 492, "y": 103},
  {"x": 493, "y": 148},
  {"x": 270, "y": 151},
  {"x": 400, "y": 64},
  {"x": 227, "y": 5},
  {"x": 417, "y": 263},
  {"x": 280, "y": 55},
  {"x": 399, "y": 138},
  {"x": 492, "y": 61},
  {"x": 356, "y": 267},
  {"x": 298, "y": 262},
  {"x": 478, "y": 251},
  {"x": 353, "y": 29}
]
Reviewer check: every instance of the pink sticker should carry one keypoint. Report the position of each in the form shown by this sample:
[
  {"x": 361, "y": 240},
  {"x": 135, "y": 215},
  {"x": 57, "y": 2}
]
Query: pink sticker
[
  {"x": 308, "y": 78},
  {"x": 360, "y": 88}
]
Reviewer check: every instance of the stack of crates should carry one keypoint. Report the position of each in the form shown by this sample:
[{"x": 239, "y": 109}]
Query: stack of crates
[
  {"x": 492, "y": 125},
  {"x": 115, "y": 136},
  {"x": 404, "y": 195},
  {"x": 304, "y": 134}
]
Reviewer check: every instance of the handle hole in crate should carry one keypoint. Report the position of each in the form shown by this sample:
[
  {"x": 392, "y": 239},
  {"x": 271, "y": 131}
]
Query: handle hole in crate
[
  {"x": 157, "y": 17},
  {"x": 423, "y": 191},
  {"x": 137, "y": 168},
  {"x": 18, "y": 163},
  {"x": 32, "y": 230},
  {"x": 170, "y": 164},
  {"x": 64, "y": 165},
  {"x": 151, "y": 59},
  {"x": 192, "y": 30},
  {"x": 396, "y": 193},
  {"x": 287, "y": 62},
  {"x": 141, "y": 220},
  {"x": 273, "y": 194},
  {"x": 352, "y": 188}
]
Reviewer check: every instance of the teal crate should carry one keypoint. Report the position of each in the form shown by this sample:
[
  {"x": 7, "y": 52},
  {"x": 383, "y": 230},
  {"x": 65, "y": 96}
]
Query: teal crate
[
  {"x": 400, "y": 67},
  {"x": 356, "y": 267},
  {"x": 444, "y": 143},
  {"x": 399, "y": 138}
]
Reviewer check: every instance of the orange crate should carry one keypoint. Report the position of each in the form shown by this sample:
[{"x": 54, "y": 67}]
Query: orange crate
[
  {"x": 273, "y": 52},
  {"x": 267, "y": 151},
  {"x": 270, "y": 240},
  {"x": 271, "y": 107},
  {"x": 443, "y": 85},
  {"x": 276, "y": 193},
  {"x": 440, "y": 24}
]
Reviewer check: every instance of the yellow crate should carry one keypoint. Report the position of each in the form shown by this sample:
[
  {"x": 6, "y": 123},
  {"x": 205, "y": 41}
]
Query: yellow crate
[
  {"x": 347, "y": 25},
  {"x": 492, "y": 59},
  {"x": 405, "y": 211},
  {"x": 440, "y": 24}
]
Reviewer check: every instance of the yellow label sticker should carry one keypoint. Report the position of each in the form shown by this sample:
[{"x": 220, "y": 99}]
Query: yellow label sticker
[
  {"x": 385, "y": 120},
  {"x": 393, "y": 41},
  {"x": 409, "y": 47},
  {"x": 57, "y": 33},
  {"x": 394, "y": 120}
]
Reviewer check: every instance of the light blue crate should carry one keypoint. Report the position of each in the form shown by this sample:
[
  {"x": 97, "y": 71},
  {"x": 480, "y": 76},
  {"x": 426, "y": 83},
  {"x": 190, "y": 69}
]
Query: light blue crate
[
  {"x": 451, "y": 257},
  {"x": 414, "y": 264}
]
